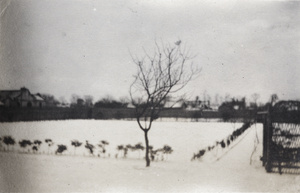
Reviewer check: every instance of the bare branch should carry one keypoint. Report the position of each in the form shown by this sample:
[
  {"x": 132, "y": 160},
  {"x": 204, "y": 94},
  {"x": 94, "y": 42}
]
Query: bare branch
[{"x": 160, "y": 74}]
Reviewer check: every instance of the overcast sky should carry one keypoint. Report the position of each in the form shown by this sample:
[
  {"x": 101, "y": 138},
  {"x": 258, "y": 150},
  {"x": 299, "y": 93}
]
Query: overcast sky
[{"x": 64, "y": 47}]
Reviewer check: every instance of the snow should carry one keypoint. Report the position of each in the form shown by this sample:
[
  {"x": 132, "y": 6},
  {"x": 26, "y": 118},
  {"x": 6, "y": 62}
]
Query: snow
[
  {"x": 227, "y": 170},
  {"x": 185, "y": 138}
]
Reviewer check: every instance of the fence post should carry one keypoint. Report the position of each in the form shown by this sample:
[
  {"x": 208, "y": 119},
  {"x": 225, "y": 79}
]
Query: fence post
[
  {"x": 264, "y": 158},
  {"x": 269, "y": 133}
]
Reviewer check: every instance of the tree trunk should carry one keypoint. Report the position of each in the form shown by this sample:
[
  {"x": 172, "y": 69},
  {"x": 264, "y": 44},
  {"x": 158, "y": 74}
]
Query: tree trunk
[{"x": 147, "y": 148}]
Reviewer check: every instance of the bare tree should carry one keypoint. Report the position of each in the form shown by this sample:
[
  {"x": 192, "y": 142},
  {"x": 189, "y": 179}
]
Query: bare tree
[
  {"x": 274, "y": 98},
  {"x": 208, "y": 99},
  {"x": 74, "y": 98},
  {"x": 62, "y": 100},
  {"x": 227, "y": 97},
  {"x": 204, "y": 95},
  {"x": 221, "y": 100},
  {"x": 88, "y": 100},
  {"x": 255, "y": 97},
  {"x": 217, "y": 100},
  {"x": 124, "y": 100},
  {"x": 159, "y": 75},
  {"x": 50, "y": 99},
  {"x": 108, "y": 99}
]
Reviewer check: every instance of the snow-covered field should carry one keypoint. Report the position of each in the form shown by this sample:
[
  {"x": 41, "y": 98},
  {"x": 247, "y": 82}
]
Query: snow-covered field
[
  {"x": 68, "y": 173},
  {"x": 185, "y": 138}
]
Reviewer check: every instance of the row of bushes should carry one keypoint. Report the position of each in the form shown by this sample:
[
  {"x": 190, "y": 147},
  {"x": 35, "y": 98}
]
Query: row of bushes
[
  {"x": 224, "y": 142},
  {"x": 99, "y": 149}
]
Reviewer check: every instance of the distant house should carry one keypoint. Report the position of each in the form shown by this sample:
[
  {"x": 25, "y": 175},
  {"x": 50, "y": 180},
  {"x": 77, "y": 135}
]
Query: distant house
[
  {"x": 239, "y": 104},
  {"x": 233, "y": 105},
  {"x": 193, "y": 105},
  {"x": 167, "y": 104},
  {"x": 20, "y": 98},
  {"x": 197, "y": 105},
  {"x": 130, "y": 105},
  {"x": 213, "y": 107},
  {"x": 174, "y": 104}
]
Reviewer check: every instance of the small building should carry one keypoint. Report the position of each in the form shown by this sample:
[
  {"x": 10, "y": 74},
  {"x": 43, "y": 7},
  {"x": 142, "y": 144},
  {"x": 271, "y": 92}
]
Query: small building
[
  {"x": 234, "y": 105},
  {"x": 192, "y": 105},
  {"x": 21, "y": 98},
  {"x": 174, "y": 104},
  {"x": 197, "y": 105}
]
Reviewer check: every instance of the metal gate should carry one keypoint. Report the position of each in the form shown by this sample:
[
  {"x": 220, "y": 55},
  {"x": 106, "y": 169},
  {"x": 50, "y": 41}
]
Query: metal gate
[{"x": 281, "y": 137}]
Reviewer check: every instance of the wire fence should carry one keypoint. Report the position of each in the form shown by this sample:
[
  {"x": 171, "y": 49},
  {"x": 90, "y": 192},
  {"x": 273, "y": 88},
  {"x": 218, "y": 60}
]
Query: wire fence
[{"x": 281, "y": 138}]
